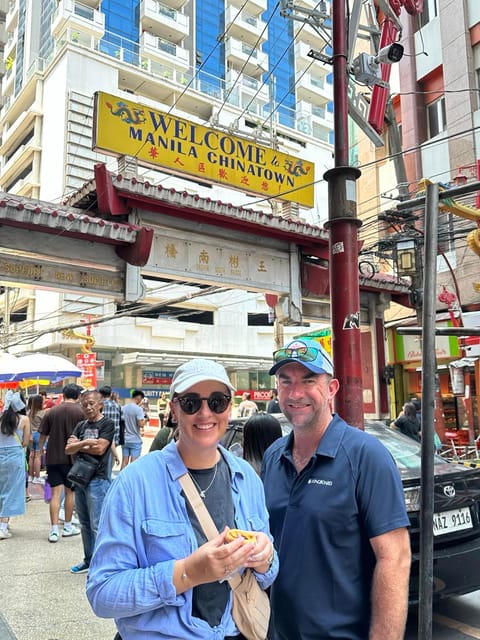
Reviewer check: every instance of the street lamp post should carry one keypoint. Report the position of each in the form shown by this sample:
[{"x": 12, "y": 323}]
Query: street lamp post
[{"x": 343, "y": 226}]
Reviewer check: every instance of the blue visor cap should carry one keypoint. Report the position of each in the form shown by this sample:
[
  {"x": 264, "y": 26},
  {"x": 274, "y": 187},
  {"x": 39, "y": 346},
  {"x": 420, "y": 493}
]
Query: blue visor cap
[{"x": 309, "y": 353}]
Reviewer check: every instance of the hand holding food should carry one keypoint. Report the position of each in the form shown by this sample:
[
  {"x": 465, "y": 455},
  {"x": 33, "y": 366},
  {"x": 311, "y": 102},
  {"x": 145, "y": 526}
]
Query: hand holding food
[{"x": 233, "y": 534}]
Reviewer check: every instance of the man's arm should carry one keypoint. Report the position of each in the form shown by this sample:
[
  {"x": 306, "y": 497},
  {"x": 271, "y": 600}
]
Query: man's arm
[
  {"x": 141, "y": 425},
  {"x": 390, "y": 585}
]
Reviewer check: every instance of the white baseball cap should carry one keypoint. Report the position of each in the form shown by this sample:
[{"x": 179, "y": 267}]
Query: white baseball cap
[{"x": 198, "y": 370}]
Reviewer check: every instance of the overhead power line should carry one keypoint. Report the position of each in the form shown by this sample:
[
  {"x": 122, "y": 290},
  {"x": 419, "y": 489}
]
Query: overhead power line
[{"x": 137, "y": 310}]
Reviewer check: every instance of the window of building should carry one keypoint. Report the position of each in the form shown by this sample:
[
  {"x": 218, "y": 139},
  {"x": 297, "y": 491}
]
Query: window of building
[
  {"x": 23, "y": 142},
  {"x": 446, "y": 257},
  {"x": 436, "y": 117},
  {"x": 167, "y": 312},
  {"x": 446, "y": 242},
  {"x": 21, "y": 176},
  {"x": 430, "y": 11},
  {"x": 259, "y": 320}
]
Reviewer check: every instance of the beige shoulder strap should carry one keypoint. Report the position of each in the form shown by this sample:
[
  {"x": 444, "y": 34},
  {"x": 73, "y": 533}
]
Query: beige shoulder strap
[{"x": 203, "y": 516}]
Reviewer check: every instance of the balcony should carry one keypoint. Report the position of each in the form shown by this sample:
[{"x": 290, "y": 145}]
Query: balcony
[
  {"x": 16, "y": 129},
  {"x": 314, "y": 89},
  {"x": 163, "y": 50},
  {"x": 28, "y": 187},
  {"x": 307, "y": 34},
  {"x": 255, "y": 7},
  {"x": 8, "y": 82},
  {"x": 78, "y": 17},
  {"x": 241, "y": 54},
  {"x": 10, "y": 44},
  {"x": 21, "y": 158},
  {"x": 245, "y": 26},
  {"x": 94, "y": 4},
  {"x": 164, "y": 21},
  {"x": 302, "y": 61},
  {"x": 246, "y": 86},
  {"x": 11, "y": 17},
  {"x": 313, "y": 120}
]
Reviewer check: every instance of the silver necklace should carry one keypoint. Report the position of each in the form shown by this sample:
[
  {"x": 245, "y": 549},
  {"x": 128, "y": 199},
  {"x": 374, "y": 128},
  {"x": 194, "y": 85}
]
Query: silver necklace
[{"x": 201, "y": 491}]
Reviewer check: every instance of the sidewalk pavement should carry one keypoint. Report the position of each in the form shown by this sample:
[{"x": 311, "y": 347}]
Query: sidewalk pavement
[{"x": 39, "y": 598}]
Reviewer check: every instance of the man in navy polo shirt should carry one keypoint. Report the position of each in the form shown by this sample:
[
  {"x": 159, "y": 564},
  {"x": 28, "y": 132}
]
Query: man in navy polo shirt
[{"x": 337, "y": 514}]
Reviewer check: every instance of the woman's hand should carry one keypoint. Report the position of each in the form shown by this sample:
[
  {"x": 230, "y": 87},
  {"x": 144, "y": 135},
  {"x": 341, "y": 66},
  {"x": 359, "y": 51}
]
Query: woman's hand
[
  {"x": 216, "y": 560},
  {"x": 261, "y": 557}
]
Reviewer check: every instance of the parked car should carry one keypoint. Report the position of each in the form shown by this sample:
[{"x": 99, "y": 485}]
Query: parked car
[{"x": 456, "y": 520}]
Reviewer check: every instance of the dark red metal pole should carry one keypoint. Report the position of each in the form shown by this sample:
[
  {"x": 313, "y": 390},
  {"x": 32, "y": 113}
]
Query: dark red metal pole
[{"x": 343, "y": 225}]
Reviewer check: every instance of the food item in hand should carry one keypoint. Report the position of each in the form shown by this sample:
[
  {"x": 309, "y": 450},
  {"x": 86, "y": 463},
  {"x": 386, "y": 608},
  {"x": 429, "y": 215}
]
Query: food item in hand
[{"x": 233, "y": 534}]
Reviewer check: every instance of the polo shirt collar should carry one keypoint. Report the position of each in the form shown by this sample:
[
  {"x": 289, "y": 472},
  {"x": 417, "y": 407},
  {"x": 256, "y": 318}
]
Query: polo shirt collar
[{"x": 330, "y": 442}]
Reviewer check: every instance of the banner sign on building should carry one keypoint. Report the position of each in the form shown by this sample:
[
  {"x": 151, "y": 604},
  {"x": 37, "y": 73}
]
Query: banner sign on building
[
  {"x": 38, "y": 271},
  {"x": 87, "y": 362},
  {"x": 122, "y": 127},
  {"x": 163, "y": 378},
  {"x": 408, "y": 349},
  {"x": 194, "y": 256}
]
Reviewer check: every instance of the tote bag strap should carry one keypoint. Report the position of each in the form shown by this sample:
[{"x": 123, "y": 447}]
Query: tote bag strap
[{"x": 203, "y": 516}]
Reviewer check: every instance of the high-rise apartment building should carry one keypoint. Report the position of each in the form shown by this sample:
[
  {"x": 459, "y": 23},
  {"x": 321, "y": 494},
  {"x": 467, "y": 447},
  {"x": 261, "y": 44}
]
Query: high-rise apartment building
[{"x": 237, "y": 66}]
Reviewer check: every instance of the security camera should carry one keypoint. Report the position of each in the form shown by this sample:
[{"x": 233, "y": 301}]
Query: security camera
[{"x": 390, "y": 54}]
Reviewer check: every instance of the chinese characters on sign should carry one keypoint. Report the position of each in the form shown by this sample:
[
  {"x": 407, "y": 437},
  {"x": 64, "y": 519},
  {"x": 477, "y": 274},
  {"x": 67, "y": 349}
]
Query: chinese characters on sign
[
  {"x": 87, "y": 362},
  {"x": 163, "y": 139},
  {"x": 219, "y": 261}
]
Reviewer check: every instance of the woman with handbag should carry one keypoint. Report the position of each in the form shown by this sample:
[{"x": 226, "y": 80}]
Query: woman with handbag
[
  {"x": 163, "y": 566},
  {"x": 14, "y": 437}
]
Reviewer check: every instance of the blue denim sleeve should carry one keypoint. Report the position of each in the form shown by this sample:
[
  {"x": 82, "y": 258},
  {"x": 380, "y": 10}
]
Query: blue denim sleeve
[{"x": 132, "y": 566}]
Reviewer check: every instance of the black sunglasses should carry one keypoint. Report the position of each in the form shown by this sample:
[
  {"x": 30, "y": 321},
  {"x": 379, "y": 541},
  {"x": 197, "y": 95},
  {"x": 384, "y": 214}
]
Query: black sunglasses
[{"x": 190, "y": 403}]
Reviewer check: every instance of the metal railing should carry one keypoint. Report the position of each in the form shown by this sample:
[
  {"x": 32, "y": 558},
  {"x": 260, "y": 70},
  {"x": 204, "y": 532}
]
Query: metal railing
[{"x": 132, "y": 53}]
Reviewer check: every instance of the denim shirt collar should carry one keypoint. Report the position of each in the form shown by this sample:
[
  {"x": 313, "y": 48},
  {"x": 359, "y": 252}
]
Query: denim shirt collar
[{"x": 176, "y": 467}]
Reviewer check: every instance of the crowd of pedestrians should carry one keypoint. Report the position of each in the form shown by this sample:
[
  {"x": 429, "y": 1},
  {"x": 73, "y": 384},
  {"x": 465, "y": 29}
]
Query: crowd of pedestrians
[{"x": 322, "y": 509}]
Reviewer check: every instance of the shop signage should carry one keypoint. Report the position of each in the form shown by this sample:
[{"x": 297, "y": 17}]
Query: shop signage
[
  {"x": 122, "y": 127},
  {"x": 163, "y": 378},
  {"x": 408, "y": 348},
  {"x": 257, "y": 395},
  {"x": 87, "y": 362},
  {"x": 39, "y": 271}
]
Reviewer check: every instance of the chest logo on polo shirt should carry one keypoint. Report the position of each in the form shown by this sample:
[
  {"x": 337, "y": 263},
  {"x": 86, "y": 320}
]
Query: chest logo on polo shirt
[{"x": 325, "y": 483}]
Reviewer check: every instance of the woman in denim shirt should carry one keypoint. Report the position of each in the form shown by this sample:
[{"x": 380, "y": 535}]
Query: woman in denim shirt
[{"x": 153, "y": 570}]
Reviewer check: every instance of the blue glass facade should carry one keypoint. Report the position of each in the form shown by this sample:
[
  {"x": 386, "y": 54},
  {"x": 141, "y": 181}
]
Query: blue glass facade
[
  {"x": 121, "y": 18},
  {"x": 209, "y": 51},
  {"x": 122, "y": 31},
  {"x": 280, "y": 39}
]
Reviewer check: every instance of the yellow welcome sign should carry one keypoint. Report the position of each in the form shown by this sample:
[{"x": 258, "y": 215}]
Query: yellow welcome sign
[{"x": 127, "y": 128}]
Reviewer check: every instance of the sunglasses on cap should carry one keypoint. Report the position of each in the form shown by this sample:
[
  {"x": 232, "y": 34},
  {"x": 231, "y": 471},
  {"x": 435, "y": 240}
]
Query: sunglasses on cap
[
  {"x": 304, "y": 354},
  {"x": 190, "y": 403}
]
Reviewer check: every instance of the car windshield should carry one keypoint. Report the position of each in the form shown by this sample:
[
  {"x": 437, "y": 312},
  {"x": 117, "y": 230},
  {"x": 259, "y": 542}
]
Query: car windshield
[{"x": 405, "y": 451}]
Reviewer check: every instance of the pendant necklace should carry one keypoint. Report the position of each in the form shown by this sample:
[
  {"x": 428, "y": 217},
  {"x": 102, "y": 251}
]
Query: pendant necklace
[{"x": 201, "y": 491}]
